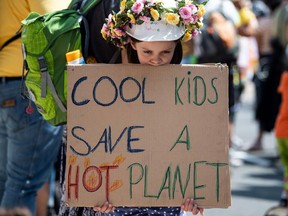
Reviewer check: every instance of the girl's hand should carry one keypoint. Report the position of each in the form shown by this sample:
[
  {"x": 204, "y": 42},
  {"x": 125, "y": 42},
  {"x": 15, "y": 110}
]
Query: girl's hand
[
  {"x": 190, "y": 206},
  {"x": 105, "y": 208}
]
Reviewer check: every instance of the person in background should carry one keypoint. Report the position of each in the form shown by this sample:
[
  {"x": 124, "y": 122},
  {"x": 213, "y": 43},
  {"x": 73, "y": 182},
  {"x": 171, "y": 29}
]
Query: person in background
[
  {"x": 247, "y": 60},
  {"x": 268, "y": 104},
  {"x": 156, "y": 42},
  {"x": 263, "y": 37},
  {"x": 281, "y": 134},
  {"x": 226, "y": 7},
  {"x": 28, "y": 144},
  {"x": 281, "y": 125}
]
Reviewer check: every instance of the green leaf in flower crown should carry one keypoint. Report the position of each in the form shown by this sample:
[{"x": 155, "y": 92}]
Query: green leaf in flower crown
[
  {"x": 129, "y": 4},
  {"x": 139, "y": 22}
]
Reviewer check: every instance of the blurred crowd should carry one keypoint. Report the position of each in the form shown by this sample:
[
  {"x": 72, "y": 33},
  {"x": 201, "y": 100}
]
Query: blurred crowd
[{"x": 251, "y": 37}]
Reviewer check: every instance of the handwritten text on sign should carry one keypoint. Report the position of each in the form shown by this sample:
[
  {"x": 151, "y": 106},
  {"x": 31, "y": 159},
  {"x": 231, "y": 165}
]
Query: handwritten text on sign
[{"x": 147, "y": 136}]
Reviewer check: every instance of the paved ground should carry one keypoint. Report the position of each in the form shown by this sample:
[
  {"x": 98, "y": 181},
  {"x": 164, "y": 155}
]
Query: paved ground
[{"x": 256, "y": 184}]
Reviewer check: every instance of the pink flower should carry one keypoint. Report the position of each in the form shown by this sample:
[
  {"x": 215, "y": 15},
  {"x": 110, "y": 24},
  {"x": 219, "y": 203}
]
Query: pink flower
[
  {"x": 125, "y": 28},
  {"x": 137, "y": 7},
  {"x": 189, "y": 20},
  {"x": 193, "y": 8},
  {"x": 145, "y": 18},
  {"x": 119, "y": 32},
  {"x": 196, "y": 18},
  {"x": 110, "y": 21},
  {"x": 185, "y": 12},
  {"x": 105, "y": 29},
  {"x": 195, "y": 33}
]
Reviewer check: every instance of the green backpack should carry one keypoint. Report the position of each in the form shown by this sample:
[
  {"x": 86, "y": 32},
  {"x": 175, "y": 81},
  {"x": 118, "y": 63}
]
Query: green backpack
[{"x": 45, "y": 41}]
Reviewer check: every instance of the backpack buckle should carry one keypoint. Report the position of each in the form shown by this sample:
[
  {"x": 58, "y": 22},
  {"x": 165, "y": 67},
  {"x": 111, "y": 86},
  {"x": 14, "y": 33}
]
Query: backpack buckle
[{"x": 42, "y": 64}]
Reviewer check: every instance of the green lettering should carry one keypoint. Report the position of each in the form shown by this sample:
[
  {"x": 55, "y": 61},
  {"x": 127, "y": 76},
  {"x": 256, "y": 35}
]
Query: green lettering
[
  {"x": 145, "y": 185},
  {"x": 166, "y": 180},
  {"x": 177, "y": 175},
  {"x": 217, "y": 176},
  {"x": 196, "y": 102},
  {"x": 131, "y": 182},
  {"x": 195, "y": 180},
  {"x": 186, "y": 141},
  {"x": 215, "y": 90},
  {"x": 177, "y": 88}
]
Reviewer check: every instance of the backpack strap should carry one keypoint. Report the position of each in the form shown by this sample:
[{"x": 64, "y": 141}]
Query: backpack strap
[
  {"x": 115, "y": 56},
  {"x": 10, "y": 40},
  {"x": 87, "y": 38},
  {"x": 83, "y": 6},
  {"x": 46, "y": 79},
  {"x": 54, "y": 94}
]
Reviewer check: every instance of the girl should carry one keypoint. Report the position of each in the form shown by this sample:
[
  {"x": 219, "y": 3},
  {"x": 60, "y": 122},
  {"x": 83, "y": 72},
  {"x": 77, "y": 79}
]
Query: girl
[{"x": 151, "y": 33}]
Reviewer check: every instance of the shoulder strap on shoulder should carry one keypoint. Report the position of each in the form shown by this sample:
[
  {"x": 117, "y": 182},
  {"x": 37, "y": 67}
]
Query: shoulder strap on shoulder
[{"x": 83, "y": 6}]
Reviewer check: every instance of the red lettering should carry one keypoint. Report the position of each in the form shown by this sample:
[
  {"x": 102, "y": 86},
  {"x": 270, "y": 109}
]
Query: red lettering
[
  {"x": 107, "y": 177},
  {"x": 90, "y": 177},
  {"x": 76, "y": 184}
]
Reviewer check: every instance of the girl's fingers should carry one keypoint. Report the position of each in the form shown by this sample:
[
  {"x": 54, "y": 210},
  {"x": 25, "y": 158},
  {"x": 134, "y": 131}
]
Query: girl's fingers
[
  {"x": 96, "y": 208},
  {"x": 189, "y": 206},
  {"x": 109, "y": 209},
  {"x": 201, "y": 211},
  {"x": 186, "y": 205},
  {"x": 105, "y": 208},
  {"x": 195, "y": 209}
]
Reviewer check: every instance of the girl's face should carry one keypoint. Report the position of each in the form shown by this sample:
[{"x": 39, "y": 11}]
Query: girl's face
[{"x": 154, "y": 53}]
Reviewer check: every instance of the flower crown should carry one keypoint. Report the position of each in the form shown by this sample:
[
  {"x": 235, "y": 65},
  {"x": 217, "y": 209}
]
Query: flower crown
[{"x": 184, "y": 14}]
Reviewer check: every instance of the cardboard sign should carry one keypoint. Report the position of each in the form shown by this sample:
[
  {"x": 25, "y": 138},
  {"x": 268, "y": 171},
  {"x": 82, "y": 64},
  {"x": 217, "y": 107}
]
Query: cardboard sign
[{"x": 140, "y": 135}]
